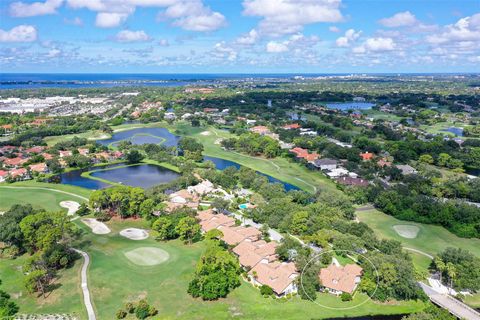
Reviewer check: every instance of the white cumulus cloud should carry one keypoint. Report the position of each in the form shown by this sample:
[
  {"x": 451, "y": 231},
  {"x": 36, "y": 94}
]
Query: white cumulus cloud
[
  {"x": 21, "y": 33},
  {"x": 376, "y": 45},
  {"x": 281, "y": 17},
  {"x": 249, "y": 38},
  {"x": 401, "y": 19},
  {"x": 132, "y": 36},
  {"x": 350, "y": 36},
  {"x": 192, "y": 15},
  {"x": 464, "y": 30},
  {"x": 276, "y": 47},
  {"x": 22, "y": 9}
]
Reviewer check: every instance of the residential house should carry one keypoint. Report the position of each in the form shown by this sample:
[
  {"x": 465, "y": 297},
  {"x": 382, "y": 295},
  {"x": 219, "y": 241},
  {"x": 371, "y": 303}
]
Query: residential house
[
  {"x": 337, "y": 279},
  {"x": 65, "y": 153},
  {"x": 39, "y": 167},
  {"x": 406, "y": 169},
  {"x": 338, "y": 172},
  {"x": 3, "y": 175},
  {"x": 170, "y": 116},
  {"x": 235, "y": 235},
  {"x": 250, "y": 253},
  {"x": 18, "y": 174},
  {"x": 280, "y": 276},
  {"x": 14, "y": 162},
  {"x": 351, "y": 181},
  {"x": 36, "y": 149},
  {"x": 261, "y": 130},
  {"x": 292, "y": 126},
  {"x": 384, "y": 163},
  {"x": 203, "y": 188},
  {"x": 325, "y": 164},
  {"x": 366, "y": 156},
  {"x": 83, "y": 151}
]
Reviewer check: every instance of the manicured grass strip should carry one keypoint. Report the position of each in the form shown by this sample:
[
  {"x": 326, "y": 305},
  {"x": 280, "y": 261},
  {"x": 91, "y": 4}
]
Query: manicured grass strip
[
  {"x": 39, "y": 195},
  {"x": 66, "y": 298},
  {"x": 430, "y": 239}
]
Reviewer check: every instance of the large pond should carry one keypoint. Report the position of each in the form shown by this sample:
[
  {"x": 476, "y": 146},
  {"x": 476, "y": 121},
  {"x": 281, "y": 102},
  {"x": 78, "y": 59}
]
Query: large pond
[
  {"x": 455, "y": 130},
  {"x": 143, "y": 136},
  {"x": 145, "y": 176},
  {"x": 222, "y": 164},
  {"x": 349, "y": 105},
  {"x": 162, "y": 135}
]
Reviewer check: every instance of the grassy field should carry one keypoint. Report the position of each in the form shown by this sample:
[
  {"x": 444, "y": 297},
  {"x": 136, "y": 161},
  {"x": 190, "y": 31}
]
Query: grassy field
[
  {"x": 40, "y": 195},
  {"x": 67, "y": 298},
  {"x": 430, "y": 239},
  {"x": 115, "y": 280},
  {"x": 280, "y": 168},
  {"x": 473, "y": 300},
  {"x": 90, "y": 135}
]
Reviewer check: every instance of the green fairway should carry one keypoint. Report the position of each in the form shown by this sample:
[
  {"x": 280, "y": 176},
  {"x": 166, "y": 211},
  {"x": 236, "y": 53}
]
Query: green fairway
[
  {"x": 66, "y": 298},
  {"x": 430, "y": 239},
  {"x": 90, "y": 135},
  {"x": 280, "y": 168},
  {"x": 473, "y": 300},
  {"x": 40, "y": 195},
  {"x": 114, "y": 280}
]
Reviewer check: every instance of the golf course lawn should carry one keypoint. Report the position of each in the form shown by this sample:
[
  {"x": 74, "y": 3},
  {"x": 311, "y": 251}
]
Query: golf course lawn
[
  {"x": 430, "y": 239},
  {"x": 473, "y": 300},
  {"x": 39, "y": 195},
  {"x": 67, "y": 298},
  {"x": 90, "y": 135},
  {"x": 115, "y": 280},
  {"x": 280, "y": 168}
]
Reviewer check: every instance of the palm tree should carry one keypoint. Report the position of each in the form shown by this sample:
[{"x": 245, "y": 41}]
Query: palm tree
[
  {"x": 440, "y": 265},
  {"x": 451, "y": 272}
]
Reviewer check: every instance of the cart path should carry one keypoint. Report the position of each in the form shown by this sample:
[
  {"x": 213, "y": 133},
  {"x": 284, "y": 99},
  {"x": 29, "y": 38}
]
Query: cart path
[{"x": 86, "y": 292}]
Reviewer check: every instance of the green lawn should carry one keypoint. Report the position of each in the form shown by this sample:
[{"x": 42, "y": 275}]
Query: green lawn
[
  {"x": 430, "y": 239},
  {"x": 67, "y": 298},
  {"x": 115, "y": 280},
  {"x": 473, "y": 300},
  {"x": 280, "y": 168},
  {"x": 90, "y": 135},
  {"x": 40, "y": 195}
]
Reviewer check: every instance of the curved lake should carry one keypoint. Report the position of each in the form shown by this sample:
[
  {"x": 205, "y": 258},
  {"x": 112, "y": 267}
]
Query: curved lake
[
  {"x": 143, "y": 175},
  {"x": 143, "y": 136},
  {"x": 165, "y": 137},
  {"x": 349, "y": 105},
  {"x": 456, "y": 131}
]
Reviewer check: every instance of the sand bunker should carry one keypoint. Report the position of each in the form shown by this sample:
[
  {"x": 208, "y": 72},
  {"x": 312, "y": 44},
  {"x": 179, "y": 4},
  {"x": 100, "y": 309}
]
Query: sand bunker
[
  {"x": 406, "y": 230},
  {"x": 96, "y": 226},
  {"x": 72, "y": 206},
  {"x": 134, "y": 234},
  {"x": 205, "y": 133},
  {"x": 147, "y": 256}
]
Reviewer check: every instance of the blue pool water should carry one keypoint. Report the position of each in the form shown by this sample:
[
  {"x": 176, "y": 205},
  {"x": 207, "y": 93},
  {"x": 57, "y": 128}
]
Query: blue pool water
[{"x": 243, "y": 206}]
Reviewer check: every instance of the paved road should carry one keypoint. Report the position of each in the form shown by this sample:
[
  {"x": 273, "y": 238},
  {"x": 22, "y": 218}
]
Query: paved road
[
  {"x": 48, "y": 189},
  {"x": 455, "y": 307},
  {"x": 420, "y": 252},
  {"x": 86, "y": 292}
]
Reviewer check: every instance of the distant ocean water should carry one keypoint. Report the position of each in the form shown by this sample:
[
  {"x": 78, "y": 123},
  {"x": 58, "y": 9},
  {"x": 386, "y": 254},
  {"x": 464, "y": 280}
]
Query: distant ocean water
[{"x": 93, "y": 80}]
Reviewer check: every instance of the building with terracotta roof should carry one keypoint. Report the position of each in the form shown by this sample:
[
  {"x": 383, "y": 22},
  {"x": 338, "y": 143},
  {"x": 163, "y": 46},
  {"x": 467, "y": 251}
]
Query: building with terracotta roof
[
  {"x": 14, "y": 162},
  {"x": 36, "y": 149},
  {"x": 384, "y": 163},
  {"x": 337, "y": 279},
  {"x": 280, "y": 276},
  {"x": 65, "y": 153},
  {"x": 209, "y": 220},
  {"x": 299, "y": 152},
  {"x": 47, "y": 156},
  {"x": 38, "y": 167},
  {"x": 18, "y": 173},
  {"x": 366, "y": 156},
  {"x": 3, "y": 175},
  {"x": 250, "y": 253},
  {"x": 261, "y": 130},
  {"x": 292, "y": 126},
  {"x": 234, "y": 235}
]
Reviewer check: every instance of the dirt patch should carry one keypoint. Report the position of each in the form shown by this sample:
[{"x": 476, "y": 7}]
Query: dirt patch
[
  {"x": 406, "y": 230},
  {"x": 205, "y": 133},
  {"x": 147, "y": 256},
  {"x": 134, "y": 234},
  {"x": 96, "y": 226},
  {"x": 72, "y": 206}
]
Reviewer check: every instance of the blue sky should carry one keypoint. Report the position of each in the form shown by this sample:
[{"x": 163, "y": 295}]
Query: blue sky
[{"x": 240, "y": 36}]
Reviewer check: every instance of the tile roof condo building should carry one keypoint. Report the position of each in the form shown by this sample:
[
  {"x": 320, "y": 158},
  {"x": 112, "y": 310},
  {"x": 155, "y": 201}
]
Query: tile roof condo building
[
  {"x": 280, "y": 276},
  {"x": 338, "y": 279}
]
